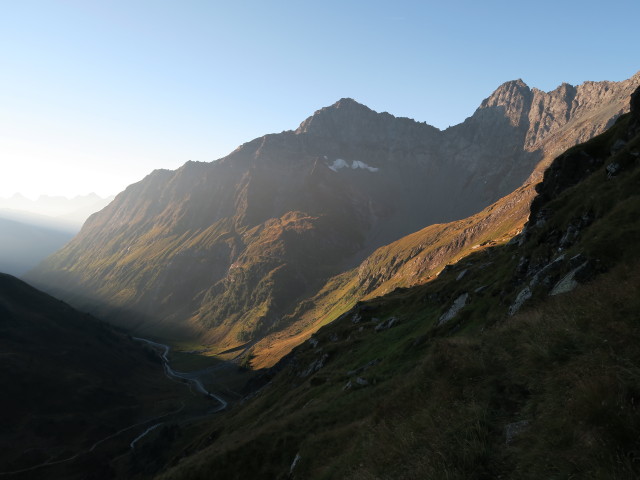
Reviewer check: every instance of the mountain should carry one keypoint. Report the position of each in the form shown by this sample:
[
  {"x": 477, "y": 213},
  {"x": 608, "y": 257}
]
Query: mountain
[
  {"x": 74, "y": 390},
  {"x": 519, "y": 360},
  {"x": 23, "y": 245},
  {"x": 225, "y": 252}
]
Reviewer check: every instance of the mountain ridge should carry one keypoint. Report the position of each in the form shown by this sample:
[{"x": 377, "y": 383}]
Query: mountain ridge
[
  {"x": 239, "y": 242},
  {"x": 521, "y": 351}
]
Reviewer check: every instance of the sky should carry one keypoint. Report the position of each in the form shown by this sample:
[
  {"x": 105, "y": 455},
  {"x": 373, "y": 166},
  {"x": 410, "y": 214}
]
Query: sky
[{"x": 95, "y": 94}]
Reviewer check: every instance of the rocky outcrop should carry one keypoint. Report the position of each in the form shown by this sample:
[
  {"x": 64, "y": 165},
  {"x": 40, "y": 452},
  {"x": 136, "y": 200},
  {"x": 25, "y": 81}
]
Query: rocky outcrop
[{"x": 454, "y": 309}]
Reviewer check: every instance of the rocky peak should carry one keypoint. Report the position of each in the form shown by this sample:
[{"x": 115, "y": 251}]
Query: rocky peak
[
  {"x": 513, "y": 99},
  {"x": 343, "y": 111},
  {"x": 348, "y": 122},
  {"x": 505, "y": 92}
]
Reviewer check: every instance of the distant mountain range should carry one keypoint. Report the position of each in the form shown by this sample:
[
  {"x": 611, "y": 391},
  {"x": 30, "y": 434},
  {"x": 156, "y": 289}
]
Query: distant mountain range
[
  {"x": 31, "y": 230},
  {"x": 53, "y": 211},
  {"x": 23, "y": 245},
  {"x": 229, "y": 252}
]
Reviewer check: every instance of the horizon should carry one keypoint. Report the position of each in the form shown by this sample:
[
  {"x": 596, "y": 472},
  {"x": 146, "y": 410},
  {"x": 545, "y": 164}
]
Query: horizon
[{"x": 99, "y": 95}]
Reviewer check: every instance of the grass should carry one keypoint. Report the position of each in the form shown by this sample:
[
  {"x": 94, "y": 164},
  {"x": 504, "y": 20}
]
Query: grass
[{"x": 439, "y": 409}]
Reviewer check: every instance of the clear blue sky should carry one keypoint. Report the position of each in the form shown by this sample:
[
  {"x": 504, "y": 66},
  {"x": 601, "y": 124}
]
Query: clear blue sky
[{"x": 96, "y": 94}]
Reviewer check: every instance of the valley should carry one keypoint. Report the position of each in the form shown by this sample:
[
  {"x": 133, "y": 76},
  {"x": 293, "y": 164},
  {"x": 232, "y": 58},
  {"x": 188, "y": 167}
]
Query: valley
[
  {"x": 77, "y": 393},
  {"x": 282, "y": 313},
  {"x": 319, "y": 240}
]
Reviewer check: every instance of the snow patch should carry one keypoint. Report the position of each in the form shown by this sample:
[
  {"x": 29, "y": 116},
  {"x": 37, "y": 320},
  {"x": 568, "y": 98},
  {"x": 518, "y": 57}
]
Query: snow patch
[
  {"x": 339, "y": 163},
  {"x": 359, "y": 164}
]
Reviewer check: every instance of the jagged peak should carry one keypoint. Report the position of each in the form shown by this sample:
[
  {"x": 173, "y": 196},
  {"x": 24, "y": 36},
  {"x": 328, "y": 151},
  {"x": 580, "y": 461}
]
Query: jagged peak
[
  {"x": 349, "y": 112},
  {"x": 345, "y": 104},
  {"x": 348, "y": 102},
  {"x": 517, "y": 85},
  {"x": 518, "y": 82},
  {"x": 344, "y": 110},
  {"x": 504, "y": 95}
]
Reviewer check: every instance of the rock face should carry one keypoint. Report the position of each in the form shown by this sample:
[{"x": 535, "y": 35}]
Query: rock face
[{"x": 226, "y": 250}]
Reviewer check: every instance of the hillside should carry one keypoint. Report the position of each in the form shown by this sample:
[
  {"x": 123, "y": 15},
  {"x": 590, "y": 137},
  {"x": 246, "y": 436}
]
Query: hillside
[
  {"x": 413, "y": 260},
  {"x": 74, "y": 391},
  {"x": 516, "y": 353},
  {"x": 223, "y": 253}
]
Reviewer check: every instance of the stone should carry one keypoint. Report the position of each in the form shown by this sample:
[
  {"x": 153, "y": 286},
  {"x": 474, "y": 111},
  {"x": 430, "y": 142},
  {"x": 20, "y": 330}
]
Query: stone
[
  {"x": 551, "y": 267},
  {"x": 613, "y": 169},
  {"x": 315, "y": 366},
  {"x": 524, "y": 295},
  {"x": 458, "y": 304},
  {"x": 568, "y": 282},
  {"x": 385, "y": 325},
  {"x": 362, "y": 381},
  {"x": 294, "y": 463},
  {"x": 569, "y": 236},
  {"x": 357, "y": 382},
  {"x": 512, "y": 430}
]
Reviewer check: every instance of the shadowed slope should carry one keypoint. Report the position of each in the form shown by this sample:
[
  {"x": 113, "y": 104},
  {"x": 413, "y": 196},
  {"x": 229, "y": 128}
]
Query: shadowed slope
[{"x": 69, "y": 381}]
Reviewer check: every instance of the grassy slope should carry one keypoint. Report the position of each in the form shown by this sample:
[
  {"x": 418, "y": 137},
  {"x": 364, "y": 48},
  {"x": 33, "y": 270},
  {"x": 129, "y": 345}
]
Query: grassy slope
[
  {"x": 412, "y": 260},
  {"x": 439, "y": 399}
]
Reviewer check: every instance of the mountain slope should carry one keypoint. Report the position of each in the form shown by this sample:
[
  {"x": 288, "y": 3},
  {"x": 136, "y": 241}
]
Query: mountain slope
[
  {"x": 412, "y": 260},
  {"x": 68, "y": 382},
  {"x": 531, "y": 354},
  {"x": 225, "y": 251}
]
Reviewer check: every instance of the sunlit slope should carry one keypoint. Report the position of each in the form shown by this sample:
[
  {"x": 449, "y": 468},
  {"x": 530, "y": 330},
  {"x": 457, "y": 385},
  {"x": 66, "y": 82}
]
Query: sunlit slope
[{"x": 413, "y": 260}]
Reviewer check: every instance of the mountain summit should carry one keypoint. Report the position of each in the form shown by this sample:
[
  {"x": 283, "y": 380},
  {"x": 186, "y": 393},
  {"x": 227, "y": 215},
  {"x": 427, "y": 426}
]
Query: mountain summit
[{"x": 225, "y": 251}]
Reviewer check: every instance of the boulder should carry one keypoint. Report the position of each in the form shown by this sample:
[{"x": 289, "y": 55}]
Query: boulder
[{"x": 458, "y": 304}]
